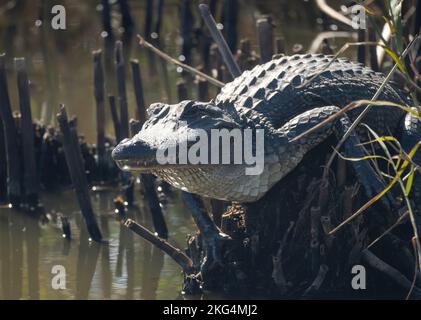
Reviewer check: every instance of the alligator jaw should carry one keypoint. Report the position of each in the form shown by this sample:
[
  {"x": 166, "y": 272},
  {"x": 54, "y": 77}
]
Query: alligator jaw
[{"x": 134, "y": 155}]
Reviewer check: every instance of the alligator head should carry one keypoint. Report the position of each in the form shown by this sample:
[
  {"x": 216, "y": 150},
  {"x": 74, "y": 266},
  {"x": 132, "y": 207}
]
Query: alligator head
[{"x": 173, "y": 129}]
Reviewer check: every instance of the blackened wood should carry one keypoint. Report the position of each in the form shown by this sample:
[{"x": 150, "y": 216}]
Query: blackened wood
[
  {"x": 202, "y": 89},
  {"x": 373, "y": 50},
  {"x": 3, "y": 165},
  {"x": 78, "y": 176},
  {"x": 114, "y": 116},
  {"x": 126, "y": 18},
  {"x": 148, "y": 19},
  {"x": 158, "y": 21},
  {"x": 280, "y": 45},
  {"x": 229, "y": 19},
  {"x": 265, "y": 35},
  {"x": 158, "y": 220},
  {"x": 30, "y": 173},
  {"x": 100, "y": 111},
  {"x": 121, "y": 84},
  {"x": 220, "y": 41},
  {"x": 106, "y": 19},
  {"x": 361, "y": 49},
  {"x": 181, "y": 89},
  {"x": 186, "y": 32},
  {"x": 11, "y": 139},
  {"x": 138, "y": 91}
]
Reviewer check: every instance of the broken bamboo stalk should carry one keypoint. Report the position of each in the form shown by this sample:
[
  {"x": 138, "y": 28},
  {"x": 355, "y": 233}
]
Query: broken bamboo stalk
[
  {"x": 265, "y": 37},
  {"x": 186, "y": 29},
  {"x": 121, "y": 85},
  {"x": 182, "y": 89},
  {"x": 373, "y": 50},
  {"x": 11, "y": 139},
  {"x": 114, "y": 116},
  {"x": 361, "y": 49},
  {"x": 100, "y": 112},
  {"x": 3, "y": 165},
  {"x": 229, "y": 17},
  {"x": 220, "y": 41},
  {"x": 30, "y": 173},
  {"x": 138, "y": 90},
  {"x": 78, "y": 176},
  {"x": 202, "y": 89},
  {"x": 158, "y": 220}
]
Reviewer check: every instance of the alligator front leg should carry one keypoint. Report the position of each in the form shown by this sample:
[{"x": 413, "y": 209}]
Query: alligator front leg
[
  {"x": 213, "y": 238},
  {"x": 352, "y": 148}
]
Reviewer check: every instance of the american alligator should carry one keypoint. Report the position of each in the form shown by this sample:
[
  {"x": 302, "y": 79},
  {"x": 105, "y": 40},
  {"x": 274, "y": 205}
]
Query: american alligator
[{"x": 278, "y": 97}]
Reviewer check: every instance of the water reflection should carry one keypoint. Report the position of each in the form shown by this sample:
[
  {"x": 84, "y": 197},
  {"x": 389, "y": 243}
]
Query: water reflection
[{"x": 126, "y": 267}]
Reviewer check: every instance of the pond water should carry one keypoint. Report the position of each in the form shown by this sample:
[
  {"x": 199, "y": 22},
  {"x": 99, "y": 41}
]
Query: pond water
[{"x": 60, "y": 70}]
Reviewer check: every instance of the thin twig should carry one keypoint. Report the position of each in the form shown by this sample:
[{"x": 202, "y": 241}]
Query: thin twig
[
  {"x": 393, "y": 226},
  {"x": 176, "y": 254},
  {"x": 185, "y": 67},
  {"x": 323, "y": 6}
]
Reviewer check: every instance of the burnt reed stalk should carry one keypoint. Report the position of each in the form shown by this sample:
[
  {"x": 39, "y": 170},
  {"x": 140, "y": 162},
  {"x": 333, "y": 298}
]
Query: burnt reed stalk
[
  {"x": 182, "y": 89},
  {"x": 100, "y": 112},
  {"x": 11, "y": 139},
  {"x": 126, "y": 19},
  {"x": 138, "y": 91},
  {"x": 220, "y": 41},
  {"x": 121, "y": 85},
  {"x": 114, "y": 116},
  {"x": 30, "y": 173},
  {"x": 3, "y": 165},
  {"x": 373, "y": 49},
  {"x": 186, "y": 29},
  {"x": 78, "y": 175},
  {"x": 147, "y": 28},
  {"x": 361, "y": 49},
  {"x": 151, "y": 196},
  {"x": 202, "y": 89},
  {"x": 106, "y": 17},
  {"x": 229, "y": 20},
  {"x": 265, "y": 36},
  {"x": 158, "y": 21}
]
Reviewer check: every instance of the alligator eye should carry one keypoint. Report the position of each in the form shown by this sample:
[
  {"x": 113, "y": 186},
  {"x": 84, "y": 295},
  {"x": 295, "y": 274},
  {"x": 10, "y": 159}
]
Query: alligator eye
[
  {"x": 155, "y": 108},
  {"x": 189, "y": 110}
]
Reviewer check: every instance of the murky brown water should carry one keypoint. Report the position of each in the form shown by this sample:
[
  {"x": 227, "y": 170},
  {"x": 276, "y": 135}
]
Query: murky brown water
[{"x": 60, "y": 70}]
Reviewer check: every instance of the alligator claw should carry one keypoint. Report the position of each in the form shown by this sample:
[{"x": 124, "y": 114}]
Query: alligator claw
[{"x": 213, "y": 254}]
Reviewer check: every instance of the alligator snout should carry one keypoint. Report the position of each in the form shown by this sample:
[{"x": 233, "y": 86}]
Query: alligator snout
[{"x": 133, "y": 153}]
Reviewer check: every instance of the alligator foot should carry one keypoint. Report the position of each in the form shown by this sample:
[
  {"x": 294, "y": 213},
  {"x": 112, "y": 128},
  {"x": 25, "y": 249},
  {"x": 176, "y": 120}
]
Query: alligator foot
[
  {"x": 212, "y": 237},
  {"x": 213, "y": 253}
]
